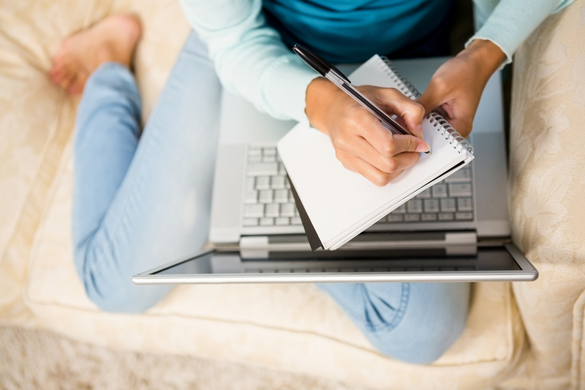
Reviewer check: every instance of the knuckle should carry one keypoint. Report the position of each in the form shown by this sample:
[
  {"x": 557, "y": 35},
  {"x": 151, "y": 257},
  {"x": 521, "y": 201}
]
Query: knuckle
[
  {"x": 390, "y": 147},
  {"x": 420, "y": 108},
  {"x": 341, "y": 141},
  {"x": 391, "y": 165},
  {"x": 380, "y": 179}
]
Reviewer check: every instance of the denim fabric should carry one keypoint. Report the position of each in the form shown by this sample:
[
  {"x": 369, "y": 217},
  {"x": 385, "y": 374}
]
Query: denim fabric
[
  {"x": 143, "y": 200},
  {"x": 140, "y": 204}
]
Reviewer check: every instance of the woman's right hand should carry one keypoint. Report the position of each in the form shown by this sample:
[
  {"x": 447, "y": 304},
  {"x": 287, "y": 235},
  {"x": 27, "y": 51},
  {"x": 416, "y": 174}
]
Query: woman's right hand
[{"x": 362, "y": 144}]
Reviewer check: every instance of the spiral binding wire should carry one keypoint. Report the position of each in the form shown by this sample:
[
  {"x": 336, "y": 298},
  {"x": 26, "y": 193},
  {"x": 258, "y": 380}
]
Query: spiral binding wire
[{"x": 447, "y": 131}]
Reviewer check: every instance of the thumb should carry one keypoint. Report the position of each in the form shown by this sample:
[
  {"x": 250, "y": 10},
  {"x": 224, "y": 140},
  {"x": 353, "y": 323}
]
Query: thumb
[{"x": 430, "y": 99}]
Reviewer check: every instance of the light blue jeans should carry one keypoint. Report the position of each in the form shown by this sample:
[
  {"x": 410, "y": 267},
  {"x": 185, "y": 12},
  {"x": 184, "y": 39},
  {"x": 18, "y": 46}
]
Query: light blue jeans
[{"x": 142, "y": 200}]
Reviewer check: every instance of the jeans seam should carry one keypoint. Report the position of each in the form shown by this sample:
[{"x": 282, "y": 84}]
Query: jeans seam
[{"x": 400, "y": 312}]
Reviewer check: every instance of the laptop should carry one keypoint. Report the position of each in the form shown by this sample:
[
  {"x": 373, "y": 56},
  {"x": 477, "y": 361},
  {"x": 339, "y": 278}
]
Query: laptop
[{"x": 458, "y": 230}]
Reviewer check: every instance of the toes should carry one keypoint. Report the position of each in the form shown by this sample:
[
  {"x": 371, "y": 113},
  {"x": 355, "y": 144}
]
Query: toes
[
  {"x": 57, "y": 73},
  {"x": 77, "y": 84},
  {"x": 76, "y": 87},
  {"x": 66, "y": 81}
]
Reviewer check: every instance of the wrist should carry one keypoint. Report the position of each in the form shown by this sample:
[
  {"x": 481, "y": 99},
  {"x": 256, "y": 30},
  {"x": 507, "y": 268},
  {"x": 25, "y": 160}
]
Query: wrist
[
  {"x": 317, "y": 100},
  {"x": 486, "y": 55}
]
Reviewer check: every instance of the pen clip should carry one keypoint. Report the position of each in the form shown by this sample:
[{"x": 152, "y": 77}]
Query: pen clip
[{"x": 321, "y": 65}]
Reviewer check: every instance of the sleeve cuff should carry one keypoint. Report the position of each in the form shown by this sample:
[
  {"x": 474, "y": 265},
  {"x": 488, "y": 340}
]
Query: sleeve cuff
[
  {"x": 513, "y": 21},
  {"x": 285, "y": 87}
]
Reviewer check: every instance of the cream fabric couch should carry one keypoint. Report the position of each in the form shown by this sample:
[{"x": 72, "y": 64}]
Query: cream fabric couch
[{"x": 521, "y": 336}]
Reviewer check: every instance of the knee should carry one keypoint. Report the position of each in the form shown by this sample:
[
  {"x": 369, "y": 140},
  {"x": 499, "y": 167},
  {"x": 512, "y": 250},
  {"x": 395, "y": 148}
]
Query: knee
[
  {"x": 109, "y": 287},
  {"x": 434, "y": 318}
]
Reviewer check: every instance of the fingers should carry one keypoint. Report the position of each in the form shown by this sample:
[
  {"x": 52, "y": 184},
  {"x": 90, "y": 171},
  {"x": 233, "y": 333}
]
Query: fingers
[
  {"x": 411, "y": 112},
  {"x": 431, "y": 99},
  {"x": 380, "y": 138},
  {"x": 357, "y": 165},
  {"x": 389, "y": 164}
]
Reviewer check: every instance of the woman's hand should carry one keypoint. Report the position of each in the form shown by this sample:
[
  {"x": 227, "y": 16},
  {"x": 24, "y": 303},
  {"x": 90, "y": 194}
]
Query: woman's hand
[
  {"x": 361, "y": 142},
  {"x": 457, "y": 85}
]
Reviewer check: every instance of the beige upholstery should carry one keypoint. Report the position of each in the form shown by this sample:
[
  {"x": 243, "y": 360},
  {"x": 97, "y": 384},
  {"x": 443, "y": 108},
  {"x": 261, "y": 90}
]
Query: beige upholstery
[
  {"x": 548, "y": 195},
  {"x": 294, "y": 327}
]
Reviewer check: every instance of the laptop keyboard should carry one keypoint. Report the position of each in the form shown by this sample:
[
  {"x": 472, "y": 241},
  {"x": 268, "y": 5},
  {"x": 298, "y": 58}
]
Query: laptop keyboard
[{"x": 268, "y": 200}]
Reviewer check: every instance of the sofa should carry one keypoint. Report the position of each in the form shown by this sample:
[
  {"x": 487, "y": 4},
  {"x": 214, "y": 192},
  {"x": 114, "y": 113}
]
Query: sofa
[{"x": 518, "y": 335}]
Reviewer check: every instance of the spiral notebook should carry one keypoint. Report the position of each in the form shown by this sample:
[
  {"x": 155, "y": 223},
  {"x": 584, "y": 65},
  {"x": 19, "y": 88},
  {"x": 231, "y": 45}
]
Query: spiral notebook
[{"x": 336, "y": 204}]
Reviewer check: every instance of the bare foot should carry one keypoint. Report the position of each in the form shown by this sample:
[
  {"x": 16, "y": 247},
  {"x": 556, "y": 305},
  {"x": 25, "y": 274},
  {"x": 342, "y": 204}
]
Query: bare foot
[{"x": 112, "y": 39}]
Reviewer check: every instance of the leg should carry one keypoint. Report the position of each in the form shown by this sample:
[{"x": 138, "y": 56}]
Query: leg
[
  {"x": 412, "y": 322},
  {"x": 141, "y": 204}
]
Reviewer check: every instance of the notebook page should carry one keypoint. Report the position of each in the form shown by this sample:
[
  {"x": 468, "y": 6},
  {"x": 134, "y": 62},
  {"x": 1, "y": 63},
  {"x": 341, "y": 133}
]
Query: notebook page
[{"x": 337, "y": 199}]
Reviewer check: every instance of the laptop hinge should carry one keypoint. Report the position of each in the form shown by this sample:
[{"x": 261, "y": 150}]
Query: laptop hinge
[{"x": 365, "y": 242}]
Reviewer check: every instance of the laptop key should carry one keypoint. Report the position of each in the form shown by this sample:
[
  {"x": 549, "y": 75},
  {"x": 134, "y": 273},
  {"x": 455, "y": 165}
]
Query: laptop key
[
  {"x": 263, "y": 183},
  {"x": 414, "y": 206},
  {"x": 448, "y": 205},
  {"x": 281, "y": 196},
  {"x": 287, "y": 210},
  {"x": 251, "y": 197},
  {"x": 262, "y": 169},
  {"x": 429, "y": 217},
  {"x": 296, "y": 221},
  {"x": 282, "y": 221},
  {"x": 253, "y": 211},
  {"x": 464, "y": 204},
  {"x": 445, "y": 216},
  {"x": 266, "y": 221},
  {"x": 271, "y": 210},
  {"x": 463, "y": 216},
  {"x": 431, "y": 205},
  {"x": 460, "y": 189},
  {"x": 411, "y": 218},
  {"x": 268, "y": 159},
  {"x": 277, "y": 182},
  {"x": 255, "y": 159},
  {"x": 439, "y": 190},
  {"x": 250, "y": 222},
  {"x": 394, "y": 218},
  {"x": 266, "y": 196}
]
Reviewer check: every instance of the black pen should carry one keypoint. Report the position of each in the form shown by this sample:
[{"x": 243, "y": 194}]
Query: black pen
[{"x": 330, "y": 72}]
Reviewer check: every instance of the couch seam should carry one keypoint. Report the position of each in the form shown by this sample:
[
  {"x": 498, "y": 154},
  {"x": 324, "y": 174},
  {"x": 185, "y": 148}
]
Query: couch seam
[{"x": 250, "y": 323}]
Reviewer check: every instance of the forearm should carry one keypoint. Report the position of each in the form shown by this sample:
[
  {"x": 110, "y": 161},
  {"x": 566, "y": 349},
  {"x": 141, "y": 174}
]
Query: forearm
[
  {"x": 249, "y": 57},
  {"x": 512, "y": 21}
]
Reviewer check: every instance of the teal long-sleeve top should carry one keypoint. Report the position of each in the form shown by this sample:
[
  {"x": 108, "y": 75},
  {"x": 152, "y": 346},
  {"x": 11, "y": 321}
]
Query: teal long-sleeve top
[
  {"x": 351, "y": 31},
  {"x": 252, "y": 60}
]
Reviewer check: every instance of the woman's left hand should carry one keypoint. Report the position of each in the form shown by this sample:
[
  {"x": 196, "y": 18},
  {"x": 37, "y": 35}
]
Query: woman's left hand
[{"x": 456, "y": 87}]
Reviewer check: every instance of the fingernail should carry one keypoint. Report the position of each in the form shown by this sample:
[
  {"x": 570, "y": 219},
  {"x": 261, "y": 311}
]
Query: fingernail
[{"x": 423, "y": 147}]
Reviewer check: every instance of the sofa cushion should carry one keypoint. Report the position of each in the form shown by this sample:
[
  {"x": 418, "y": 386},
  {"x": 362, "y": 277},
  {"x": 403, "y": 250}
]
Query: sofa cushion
[{"x": 547, "y": 172}]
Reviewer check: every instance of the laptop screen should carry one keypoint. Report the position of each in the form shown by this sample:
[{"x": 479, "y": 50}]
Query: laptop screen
[{"x": 372, "y": 261}]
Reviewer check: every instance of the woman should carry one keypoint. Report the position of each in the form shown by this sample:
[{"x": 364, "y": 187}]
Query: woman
[{"x": 137, "y": 203}]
